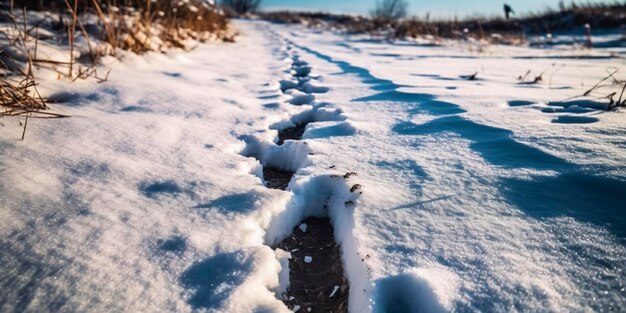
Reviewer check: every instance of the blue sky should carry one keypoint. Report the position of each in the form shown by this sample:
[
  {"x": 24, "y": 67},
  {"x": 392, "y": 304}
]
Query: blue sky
[{"x": 437, "y": 8}]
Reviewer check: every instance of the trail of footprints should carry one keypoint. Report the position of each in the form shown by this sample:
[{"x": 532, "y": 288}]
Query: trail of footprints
[{"x": 316, "y": 275}]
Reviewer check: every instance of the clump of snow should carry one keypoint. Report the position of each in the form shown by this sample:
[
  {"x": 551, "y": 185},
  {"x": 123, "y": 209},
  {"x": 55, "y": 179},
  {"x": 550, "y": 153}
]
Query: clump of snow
[
  {"x": 303, "y": 227},
  {"x": 308, "y": 259},
  {"x": 289, "y": 156},
  {"x": 283, "y": 278},
  {"x": 313, "y": 87},
  {"x": 329, "y": 129},
  {"x": 299, "y": 97}
]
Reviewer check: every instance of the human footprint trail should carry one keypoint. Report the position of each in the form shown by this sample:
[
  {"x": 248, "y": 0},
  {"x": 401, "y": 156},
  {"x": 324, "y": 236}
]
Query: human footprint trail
[{"x": 316, "y": 282}]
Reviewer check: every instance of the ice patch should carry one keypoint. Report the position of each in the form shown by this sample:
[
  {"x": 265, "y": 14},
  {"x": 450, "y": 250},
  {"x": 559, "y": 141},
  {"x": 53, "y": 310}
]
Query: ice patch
[{"x": 152, "y": 190}]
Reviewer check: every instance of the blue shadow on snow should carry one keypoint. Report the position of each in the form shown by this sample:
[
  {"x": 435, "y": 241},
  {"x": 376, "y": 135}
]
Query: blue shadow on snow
[
  {"x": 436, "y": 108},
  {"x": 405, "y": 293},
  {"x": 347, "y": 68},
  {"x": 424, "y": 103},
  {"x": 242, "y": 203},
  {"x": 158, "y": 188},
  {"x": 214, "y": 279},
  {"x": 495, "y": 145},
  {"x": 584, "y": 197},
  {"x": 176, "y": 244},
  {"x": 519, "y": 103},
  {"x": 397, "y": 96}
]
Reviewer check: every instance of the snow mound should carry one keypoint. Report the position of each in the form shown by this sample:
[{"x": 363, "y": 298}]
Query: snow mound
[{"x": 299, "y": 97}]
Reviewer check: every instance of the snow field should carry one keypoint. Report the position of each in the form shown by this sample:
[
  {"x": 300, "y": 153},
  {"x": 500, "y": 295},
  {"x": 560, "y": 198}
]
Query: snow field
[
  {"x": 491, "y": 194},
  {"x": 140, "y": 201},
  {"x": 457, "y": 176}
]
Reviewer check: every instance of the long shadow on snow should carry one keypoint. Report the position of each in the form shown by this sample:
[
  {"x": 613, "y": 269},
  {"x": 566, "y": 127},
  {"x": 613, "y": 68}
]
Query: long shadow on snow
[
  {"x": 152, "y": 190},
  {"x": 436, "y": 107},
  {"x": 424, "y": 103},
  {"x": 397, "y": 96},
  {"x": 584, "y": 197},
  {"x": 347, "y": 68},
  {"x": 495, "y": 145},
  {"x": 243, "y": 203},
  {"x": 213, "y": 280}
]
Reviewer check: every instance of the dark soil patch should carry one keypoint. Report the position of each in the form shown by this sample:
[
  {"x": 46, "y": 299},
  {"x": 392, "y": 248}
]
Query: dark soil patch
[
  {"x": 312, "y": 284},
  {"x": 275, "y": 178},
  {"x": 291, "y": 133}
]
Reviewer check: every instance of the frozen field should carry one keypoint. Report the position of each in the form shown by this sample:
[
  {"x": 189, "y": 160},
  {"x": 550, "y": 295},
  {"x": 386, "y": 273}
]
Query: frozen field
[{"x": 454, "y": 181}]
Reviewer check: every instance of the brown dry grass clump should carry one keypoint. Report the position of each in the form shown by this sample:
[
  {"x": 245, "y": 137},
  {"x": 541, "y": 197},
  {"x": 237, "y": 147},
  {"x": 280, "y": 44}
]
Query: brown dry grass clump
[
  {"x": 107, "y": 26},
  {"x": 18, "y": 89},
  {"x": 140, "y": 26},
  {"x": 20, "y": 97}
]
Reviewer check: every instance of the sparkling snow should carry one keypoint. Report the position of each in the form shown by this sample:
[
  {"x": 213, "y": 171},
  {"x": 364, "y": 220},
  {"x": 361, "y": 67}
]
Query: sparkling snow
[{"x": 470, "y": 195}]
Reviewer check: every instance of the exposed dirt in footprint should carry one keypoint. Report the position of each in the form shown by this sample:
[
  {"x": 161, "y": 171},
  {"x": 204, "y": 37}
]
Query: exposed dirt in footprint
[
  {"x": 275, "y": 178},
  {"x": 291, "y": 133},
  {"x": 316, "y": 278}
]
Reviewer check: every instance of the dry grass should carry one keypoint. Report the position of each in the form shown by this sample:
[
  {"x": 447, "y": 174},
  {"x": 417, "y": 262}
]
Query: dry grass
[
  {"x": 159, "y": 25},
  {"x": 138, "y": 26},
  {"x": 18, "y": 89},
  {"x": 488, "y": 29},
  {"x": 20, "y": 97},
  {"x": 610, "y": 89},
  {"x": 621, "y": 102}
]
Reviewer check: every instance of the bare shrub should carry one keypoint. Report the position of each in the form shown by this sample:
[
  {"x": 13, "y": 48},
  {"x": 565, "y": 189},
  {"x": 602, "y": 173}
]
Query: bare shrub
[
  {"x": 241, "y": 7},
  {"x": 390, "y": 10}
]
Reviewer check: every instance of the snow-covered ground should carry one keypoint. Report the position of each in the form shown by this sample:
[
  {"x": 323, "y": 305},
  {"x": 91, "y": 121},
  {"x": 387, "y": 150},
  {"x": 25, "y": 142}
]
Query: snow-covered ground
[{"x": 491, "y": 194}]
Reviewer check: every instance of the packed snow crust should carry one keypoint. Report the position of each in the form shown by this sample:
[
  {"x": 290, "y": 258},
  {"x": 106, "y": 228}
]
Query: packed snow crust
[{"x": 446, "y": 194}]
